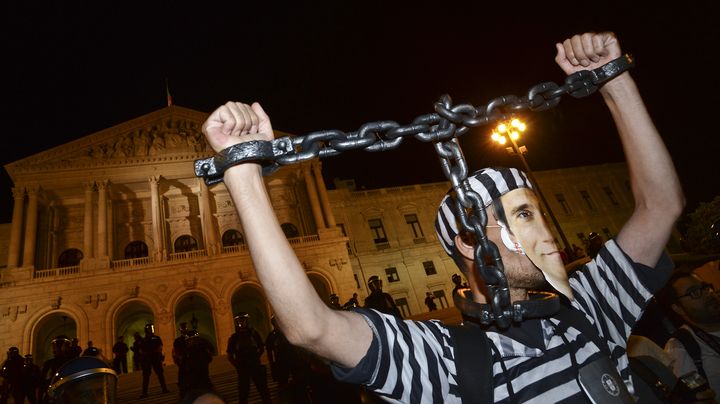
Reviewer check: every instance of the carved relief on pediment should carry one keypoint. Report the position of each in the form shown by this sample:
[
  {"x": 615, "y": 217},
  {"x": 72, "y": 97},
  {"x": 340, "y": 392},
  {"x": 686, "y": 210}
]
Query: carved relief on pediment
[
  {"x": 169, "y": 136},
  {"x": 282, "y": 196}
]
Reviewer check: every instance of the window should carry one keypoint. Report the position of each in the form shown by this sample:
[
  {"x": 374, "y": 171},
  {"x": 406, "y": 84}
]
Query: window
[
  {"x": 290, "y": 230},
  {"x": 136, "y": 249},
  {"x": 611, "y": 196},
  {"x": 392, "y": 274},
  {"x": 429, "y": 268},
  {"x": 70, "y": 258},
  {"x": 586, "y": 196},
  {"x": 412, "y": 221},
  {"x": 402, "y": 304},
  {"x": 563, "y": 203},
  {"x": 185, "y": 243},
  {"x": 232, "y": 237},
  {"x": 440, "y": 296},
  {"x": 377, "y": 232}
]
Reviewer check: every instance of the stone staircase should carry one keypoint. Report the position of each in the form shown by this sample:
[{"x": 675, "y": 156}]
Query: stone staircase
[{"x": 222, "y": 375}]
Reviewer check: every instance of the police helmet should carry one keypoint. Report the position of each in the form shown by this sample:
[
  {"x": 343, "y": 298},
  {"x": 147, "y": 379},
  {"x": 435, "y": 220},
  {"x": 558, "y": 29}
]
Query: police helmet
[
  {"x": 374, "y": 283},
  {"x": 150, "y": 327},
  {"x": 84, "y": 379},
  {"x": 241, "y": 319}
]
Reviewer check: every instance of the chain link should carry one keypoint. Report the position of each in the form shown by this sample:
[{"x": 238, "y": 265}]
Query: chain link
[{"x": 443, "y": 128}]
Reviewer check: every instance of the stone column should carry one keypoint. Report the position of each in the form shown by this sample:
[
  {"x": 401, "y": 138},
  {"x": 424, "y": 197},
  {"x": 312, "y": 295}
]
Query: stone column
[
  {"x": 208, "y": 224},
  {"x": 102, "y": 218},
  {"x": 313, "y": 195},
  {"x": 157, "y": 234},
  {"x": 30, "y": 228},
  {"x": 329, "y": 216},
  {"x": 87, "y": 223},
  {"x": 110, "y": 226},
  {"x": 16, "y": 227}
]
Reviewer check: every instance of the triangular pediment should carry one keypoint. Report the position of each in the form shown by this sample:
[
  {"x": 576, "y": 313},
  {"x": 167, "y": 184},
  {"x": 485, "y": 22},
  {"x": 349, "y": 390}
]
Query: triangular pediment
[{"x": 169, "y": 133}]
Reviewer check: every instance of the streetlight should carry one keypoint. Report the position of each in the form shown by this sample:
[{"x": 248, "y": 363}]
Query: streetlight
[{"x": 509, "y": 131}]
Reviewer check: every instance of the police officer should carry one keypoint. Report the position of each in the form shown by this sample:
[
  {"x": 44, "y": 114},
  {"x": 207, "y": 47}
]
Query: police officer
[
  {"x": 120, "y": 350},
  {"x": 11, "y": 372},
  {"x": 380, "y": 300},
  {"x": 178, "y": 355},
  {"x": 244, "y": 350},
  {"x": 151, "y": 358},
  {"x": 280, "y": 355},
  {"x": 29, "y": 380},
  {"x": 195, "y": 366},
  {"x": 335, "y": 302},
  {"x": 135, "y": 348},
  {"x": 61, "y": 348}
]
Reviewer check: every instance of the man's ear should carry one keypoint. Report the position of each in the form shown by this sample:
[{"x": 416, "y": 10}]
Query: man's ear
[{"x": 466, "y": 250}]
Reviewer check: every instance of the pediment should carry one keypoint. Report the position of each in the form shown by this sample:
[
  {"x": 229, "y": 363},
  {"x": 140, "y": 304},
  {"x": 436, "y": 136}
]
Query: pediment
[{"x": 170, "y": 133}]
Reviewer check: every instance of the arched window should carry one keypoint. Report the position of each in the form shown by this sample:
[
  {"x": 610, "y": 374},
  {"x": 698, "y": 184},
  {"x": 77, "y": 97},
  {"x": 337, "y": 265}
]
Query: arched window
[
  {"x": 232, "y": 237},
  {"x": 136, "y": 249},
  {"x": 290, "y": 230},
  {"x": 70, "y": 258},
  {"x": 185, "y": 243}
]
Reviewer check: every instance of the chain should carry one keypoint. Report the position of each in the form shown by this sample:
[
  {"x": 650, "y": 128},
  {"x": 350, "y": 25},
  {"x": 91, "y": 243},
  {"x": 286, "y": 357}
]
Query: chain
[{"x": 442, "y": 128}]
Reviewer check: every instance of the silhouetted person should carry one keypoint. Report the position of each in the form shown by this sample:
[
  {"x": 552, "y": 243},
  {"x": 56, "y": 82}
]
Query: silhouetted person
[
  {"x": 352, "y": 302},
  {"x": 335, "y": 302},
  {"x": 29, "y": 380},
  {"x": 120, "y": 351},
  {"x": 135, "y": 348},
  {"x": 151, "y": 359},
  {"x": 380, "y": 300},
  {"x": 430, "y": 301},
  {"x": 75, "y": 349},
  {"x": 91, "y": 350},
  {"x": 457, "y": 280},
  {"x": 62, "y": 352},
  {"x": 178, "y": 355},
  {"x": 244, "y": 350},
  {"x": 195, "y": 362},
  {"x": 280, "y": 354},
  {"x": 11, "y": 371},
  {"x": 595, "y": 243}
]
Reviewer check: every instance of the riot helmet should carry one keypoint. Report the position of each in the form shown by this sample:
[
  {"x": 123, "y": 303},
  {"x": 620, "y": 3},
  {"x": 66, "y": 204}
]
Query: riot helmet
[
  {"x": 86, "y": 379},
  {"x": 241, "y": 320},
  {"x": 149, "y": 329},
  {"x": 375, "y": 283}
]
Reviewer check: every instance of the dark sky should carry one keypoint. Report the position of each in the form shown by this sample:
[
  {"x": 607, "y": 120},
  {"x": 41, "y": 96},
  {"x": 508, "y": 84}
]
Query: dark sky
[{"x": 73, "y": 68}]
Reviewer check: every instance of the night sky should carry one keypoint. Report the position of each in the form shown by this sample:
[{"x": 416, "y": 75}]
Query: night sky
[{"x": 73, "y": 69}]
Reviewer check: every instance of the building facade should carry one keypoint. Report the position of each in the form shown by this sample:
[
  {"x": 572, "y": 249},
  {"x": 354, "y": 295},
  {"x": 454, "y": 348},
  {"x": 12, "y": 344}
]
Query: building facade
[{"x": 113, "y": 230}]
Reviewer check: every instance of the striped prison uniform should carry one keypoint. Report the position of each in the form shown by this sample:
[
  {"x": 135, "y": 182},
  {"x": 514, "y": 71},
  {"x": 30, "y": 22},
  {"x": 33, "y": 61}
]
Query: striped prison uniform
[{"x": 413, "y": 362}]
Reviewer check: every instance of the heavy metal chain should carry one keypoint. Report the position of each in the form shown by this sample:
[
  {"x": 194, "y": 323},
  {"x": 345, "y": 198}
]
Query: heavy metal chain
[{"x": 442, "y": 128}]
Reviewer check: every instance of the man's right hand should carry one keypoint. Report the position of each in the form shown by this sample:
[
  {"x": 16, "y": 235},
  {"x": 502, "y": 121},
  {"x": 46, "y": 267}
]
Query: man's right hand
[{"x": 235, "y": 123}]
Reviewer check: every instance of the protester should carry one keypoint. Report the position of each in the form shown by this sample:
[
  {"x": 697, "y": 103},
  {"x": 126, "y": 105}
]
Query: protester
[
  {"x": 695, "y": 346},
  {"x": 548, "y": 359}
]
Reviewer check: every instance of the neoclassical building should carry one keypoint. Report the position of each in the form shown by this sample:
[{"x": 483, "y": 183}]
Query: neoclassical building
[{"x": 113, "y": 230}]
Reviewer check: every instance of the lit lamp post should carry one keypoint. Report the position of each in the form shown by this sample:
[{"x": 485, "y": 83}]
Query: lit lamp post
[{"x": 509, "y": 131}]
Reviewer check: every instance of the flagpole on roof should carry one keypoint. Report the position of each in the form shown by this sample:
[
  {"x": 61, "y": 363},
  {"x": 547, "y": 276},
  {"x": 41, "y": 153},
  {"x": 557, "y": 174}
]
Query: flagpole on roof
[{"x": 167, "y": 93}]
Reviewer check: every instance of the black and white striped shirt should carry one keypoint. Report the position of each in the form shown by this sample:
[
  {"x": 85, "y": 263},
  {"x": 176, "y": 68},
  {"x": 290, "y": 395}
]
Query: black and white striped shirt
[{"x": 413, "y": 362}]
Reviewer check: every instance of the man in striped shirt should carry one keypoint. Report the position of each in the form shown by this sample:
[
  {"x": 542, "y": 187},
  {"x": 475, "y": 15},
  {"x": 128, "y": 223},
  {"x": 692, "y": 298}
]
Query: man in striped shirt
[{"x": 540, "y": 359}]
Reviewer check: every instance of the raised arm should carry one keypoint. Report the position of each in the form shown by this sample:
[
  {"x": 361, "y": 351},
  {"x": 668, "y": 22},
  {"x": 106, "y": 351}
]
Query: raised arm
[
  {"x": 340, "y": 336},
  {"x": 658, "y": 195}
]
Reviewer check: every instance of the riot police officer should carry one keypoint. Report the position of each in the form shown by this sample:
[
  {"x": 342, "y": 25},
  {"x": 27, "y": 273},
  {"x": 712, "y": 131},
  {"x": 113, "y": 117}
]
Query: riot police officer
[
  {"x": 151, "y": 358},
  {"x": 178, "y": 355},
  {"x": 29, "y": 380},
  {"x": 380, "y": 300},
  {"x": 244, "y": 349},
  {"x": 195, "y": 364},
  {"x": 61, "y": 348},
  {"x": 11, "y": 371}
]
